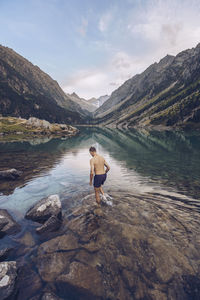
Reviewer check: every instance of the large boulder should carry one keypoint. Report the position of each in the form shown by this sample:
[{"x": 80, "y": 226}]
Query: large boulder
[
  {"x": 38, "y": 123},
  {"x": 44, "y": 209},
  {"x": 8, "y": 275},
  {"x": 7, "y": 224},
  {"x": 10, "y": 174}
]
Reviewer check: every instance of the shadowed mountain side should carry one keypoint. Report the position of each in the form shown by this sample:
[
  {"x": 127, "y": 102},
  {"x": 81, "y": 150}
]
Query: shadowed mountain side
[
  {"x": 166, "y": 93},
  {"x": 27, "y": 91}
]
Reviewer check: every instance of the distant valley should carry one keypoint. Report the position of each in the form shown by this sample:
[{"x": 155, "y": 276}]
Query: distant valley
[{"x": 165, "y": 94}]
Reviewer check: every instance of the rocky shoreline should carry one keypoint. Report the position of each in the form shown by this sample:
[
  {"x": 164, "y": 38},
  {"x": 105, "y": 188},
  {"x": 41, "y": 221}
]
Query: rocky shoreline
[
  {"x": 140, "y": 248},
  {"x": 19, "y": 129}
]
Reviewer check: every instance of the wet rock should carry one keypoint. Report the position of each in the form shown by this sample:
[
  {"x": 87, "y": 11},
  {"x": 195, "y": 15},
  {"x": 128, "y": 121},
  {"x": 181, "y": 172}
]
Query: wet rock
[
  {"x": 28, "y": 282},
  {"x": 50, "y": 296},
  {"x": 52, "y": 224},
  {"x": 3, "y": 222},
  {"x": 54, "y": 256},
  {"x": 139, "y": 248},
  {"x": 10, "y": 174},
  {"x": 65, "y": 242},
  {"x": 84, "y": 280},
  {"x": 7, "y": 224},
  {"x": 51, "y": 265},
  {"x": 44, "y": 209},
  {"x": 8, "y": 274},
  {"x": 4, "y": 253},
  {"x": 36, "y": 297},
  {"x": 27, "y": 239}
]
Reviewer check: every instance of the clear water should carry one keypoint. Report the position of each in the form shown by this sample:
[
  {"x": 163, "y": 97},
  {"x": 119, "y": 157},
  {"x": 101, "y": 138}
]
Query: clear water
[
  {"x": 141, "y": 162},
  {"x": 155, "y": 184}
]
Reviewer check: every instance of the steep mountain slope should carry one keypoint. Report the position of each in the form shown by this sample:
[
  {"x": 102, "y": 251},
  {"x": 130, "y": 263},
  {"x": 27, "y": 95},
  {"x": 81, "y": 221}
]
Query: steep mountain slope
[
  {"x": 103, "y": 99},
  {"x": 97, "y": 102},
  {"x": 27, "y": 91},
  {"x": 84, "y": 104},
  {"x": 94, "y": 101},
  {"x": 167, "y": 93}
]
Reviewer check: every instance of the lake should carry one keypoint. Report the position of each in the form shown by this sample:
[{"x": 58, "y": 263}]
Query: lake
[
  {"x": 141, "y": 161},
  {"x": 155, "y": 185}
]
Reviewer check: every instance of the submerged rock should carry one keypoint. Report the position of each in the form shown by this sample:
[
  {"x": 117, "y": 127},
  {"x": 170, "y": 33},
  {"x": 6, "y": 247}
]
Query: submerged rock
[
  {"x": 82, "y": 279},
  {"x": 4, "y": 253},
  {"x": 139, "y": 248},
  {"x": 52, "y": 224},
  {"x": 44, "y": 209},
  {"x": 10, "y": 174},
  {"x": 8, "y": 274},
  {"x": 7, "y": 224},
  {"x": 50, "y": 296},
  {"x": 28, "y": 282}
]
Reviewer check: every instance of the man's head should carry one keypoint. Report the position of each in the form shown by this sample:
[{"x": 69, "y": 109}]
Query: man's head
[{"x": 92, "y": 151}]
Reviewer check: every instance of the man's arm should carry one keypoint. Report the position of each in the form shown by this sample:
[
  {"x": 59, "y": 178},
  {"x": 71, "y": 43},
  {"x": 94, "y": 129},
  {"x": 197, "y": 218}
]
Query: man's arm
[
  {"x": 107, "y": 166},
  {"x": 91, "y": 170}
]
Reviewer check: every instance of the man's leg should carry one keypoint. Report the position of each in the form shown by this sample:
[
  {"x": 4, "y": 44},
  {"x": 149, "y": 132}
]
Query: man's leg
[
  {"x": 97, "y": 195},
  {"x": 101, "y": 190}
]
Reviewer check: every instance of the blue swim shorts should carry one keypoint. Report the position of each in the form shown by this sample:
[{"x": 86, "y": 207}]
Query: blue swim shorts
[{"x": 99, "y": 180}]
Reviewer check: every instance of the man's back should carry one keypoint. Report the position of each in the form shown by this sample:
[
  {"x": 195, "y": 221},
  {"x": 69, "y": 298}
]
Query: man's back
[{"x": 98, "y": 163}]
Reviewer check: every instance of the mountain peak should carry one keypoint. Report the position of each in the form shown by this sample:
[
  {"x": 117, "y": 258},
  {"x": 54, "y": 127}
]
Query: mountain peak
[
  {"x": 74, "y": 95},
  {"x": 166, "y": 60}
]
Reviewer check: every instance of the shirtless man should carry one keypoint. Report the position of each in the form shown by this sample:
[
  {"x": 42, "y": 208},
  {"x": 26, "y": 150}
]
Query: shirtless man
[{"x": 97, "y": 164}]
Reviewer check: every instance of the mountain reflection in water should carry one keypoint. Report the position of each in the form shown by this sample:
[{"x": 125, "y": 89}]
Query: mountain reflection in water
[
  {"x": 141, "y": 161},
  {"x": 145, "y": 246}
]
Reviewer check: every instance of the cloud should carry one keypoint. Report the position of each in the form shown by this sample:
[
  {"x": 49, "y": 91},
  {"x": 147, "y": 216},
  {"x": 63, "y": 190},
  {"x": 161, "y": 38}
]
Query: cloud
[
  {"x": 104, "y": 21},
  {"x": 97, "y": 82},
  {"x": 82, "y": 29},
  {"x": 168, "y": 26},
  {"x": 86, "y": 83},
  {"x": 134, "y": 40}
]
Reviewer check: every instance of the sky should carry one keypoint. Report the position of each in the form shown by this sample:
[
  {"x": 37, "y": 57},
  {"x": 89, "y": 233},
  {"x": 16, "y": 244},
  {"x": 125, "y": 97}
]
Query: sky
[{"x": 91, "y": 47}]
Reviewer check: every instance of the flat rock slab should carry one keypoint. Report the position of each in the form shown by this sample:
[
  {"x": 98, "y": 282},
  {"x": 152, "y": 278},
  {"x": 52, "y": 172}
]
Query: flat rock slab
[
  {"x": 7, "y": 224},
  {"x": 44, "y": 209},
  {"x": 8, "y": 274},
  {"x": 10, "y": 174},
  {"x": 139, "y": 248},
  {"x": 82, "y": 279}
]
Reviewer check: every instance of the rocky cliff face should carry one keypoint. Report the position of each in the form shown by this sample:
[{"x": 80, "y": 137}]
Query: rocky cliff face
[
  {"x": 27, "y": 91},
  {"x": 166, "y": 93}
]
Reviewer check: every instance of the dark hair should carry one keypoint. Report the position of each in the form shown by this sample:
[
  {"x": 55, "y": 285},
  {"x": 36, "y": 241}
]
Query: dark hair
[{"x": 92, "y": 149}]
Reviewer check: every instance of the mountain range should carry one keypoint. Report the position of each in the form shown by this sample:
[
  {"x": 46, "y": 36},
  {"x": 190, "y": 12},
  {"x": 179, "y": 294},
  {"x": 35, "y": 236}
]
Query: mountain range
[
  {"x": 27, "y": 91},
  {"x": 166, "y": 93}
]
